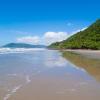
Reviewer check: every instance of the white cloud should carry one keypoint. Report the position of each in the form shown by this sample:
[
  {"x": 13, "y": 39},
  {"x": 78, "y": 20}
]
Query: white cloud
[
  {"x": 79, "y": 30},
  {"x": 76, "y": 31},
  {"x": 50, "y": 37},
  {"x": 29, "y": 39},
  {"x": 47, "y": 38}
]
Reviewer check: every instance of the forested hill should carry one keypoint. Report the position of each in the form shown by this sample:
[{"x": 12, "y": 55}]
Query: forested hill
[
  {"x": 87, "y": 39},
  {"x": 22, "y": 45}
]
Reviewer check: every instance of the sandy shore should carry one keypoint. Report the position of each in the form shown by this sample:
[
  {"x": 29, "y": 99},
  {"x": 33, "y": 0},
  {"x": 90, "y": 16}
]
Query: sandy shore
[
  {"x": 88, "y": 53},
  {"x": 57, "y": 88},
  {"x": 50, "y": 77}
]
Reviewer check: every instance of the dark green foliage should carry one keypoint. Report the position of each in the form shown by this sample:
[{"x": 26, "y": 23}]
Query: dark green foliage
[{"x": 87, "y": 39}]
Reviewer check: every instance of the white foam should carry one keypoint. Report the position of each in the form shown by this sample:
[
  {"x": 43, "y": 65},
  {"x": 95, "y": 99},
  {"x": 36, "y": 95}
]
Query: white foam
[
  {"x": 7, "y": 97},
  {"x": 18, "y": 50},
  {"x": 12, "y": 92},
  {"x": 15, "y": 89},
  {"x": 28, "y": 79}
]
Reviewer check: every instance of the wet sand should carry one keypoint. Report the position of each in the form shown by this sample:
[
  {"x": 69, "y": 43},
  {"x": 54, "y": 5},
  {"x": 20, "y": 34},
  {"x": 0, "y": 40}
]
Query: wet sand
[
  {"x": 88, "y": 53},
  {"x": 46, "y": 75},
  {"x": 90, "y": 65},
  {"x": 55, "y": 88}
]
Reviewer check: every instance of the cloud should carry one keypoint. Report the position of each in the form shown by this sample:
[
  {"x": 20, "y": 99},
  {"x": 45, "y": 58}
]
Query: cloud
[
  {"x": 47, "y": 38},
  {"x": 82, "y": 29},
  {"x": 76, "y": 31},
  {"x": 29, "y": 39},
  {"x": 50, "y": 37}
]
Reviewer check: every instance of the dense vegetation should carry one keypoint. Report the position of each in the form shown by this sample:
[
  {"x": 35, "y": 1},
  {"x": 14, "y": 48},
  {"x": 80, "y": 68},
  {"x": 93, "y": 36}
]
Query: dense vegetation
[{"x": 87, "y": 39}]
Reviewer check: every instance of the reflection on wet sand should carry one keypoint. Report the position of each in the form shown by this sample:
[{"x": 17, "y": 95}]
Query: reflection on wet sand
[
  {"x": 46, "y": 75},
  {"x": 92, "y": 66}
]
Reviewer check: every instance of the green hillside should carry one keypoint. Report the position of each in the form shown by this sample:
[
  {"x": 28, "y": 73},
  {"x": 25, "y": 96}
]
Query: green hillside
[
  {"x": 22, "y": 45},
  {"x": 87, "y": 39}
]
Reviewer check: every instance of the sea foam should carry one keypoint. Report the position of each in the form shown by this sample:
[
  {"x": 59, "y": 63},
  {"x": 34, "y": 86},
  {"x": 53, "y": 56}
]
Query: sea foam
[
  {"x": 14, "y": 90},
  {"x": 18, "y": 50}
]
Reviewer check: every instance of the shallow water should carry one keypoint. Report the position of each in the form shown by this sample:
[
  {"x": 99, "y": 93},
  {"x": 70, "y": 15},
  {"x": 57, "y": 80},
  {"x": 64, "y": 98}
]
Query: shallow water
[{"x": 46, "y": 75}]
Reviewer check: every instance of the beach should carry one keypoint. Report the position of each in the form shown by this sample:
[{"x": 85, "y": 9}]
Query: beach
[
  {"x": 55, "y": 88},
  {"x": 95, "y": 54},
  {"x": 47, "y": 75}
]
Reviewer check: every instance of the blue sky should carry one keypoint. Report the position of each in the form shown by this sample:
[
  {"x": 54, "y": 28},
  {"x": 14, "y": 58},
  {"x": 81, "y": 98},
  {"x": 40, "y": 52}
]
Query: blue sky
[{"x": 44, "y": 21}]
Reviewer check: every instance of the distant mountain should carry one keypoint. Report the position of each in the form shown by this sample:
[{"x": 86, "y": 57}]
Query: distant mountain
[
  {"x": 22, "y": 45},
  {"x": 87, "y": 39}
]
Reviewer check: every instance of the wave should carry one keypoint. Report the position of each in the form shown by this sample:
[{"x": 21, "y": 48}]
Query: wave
[
  {"x": 18, "y": 50},
  {"x": 7, "y": 96},
  {"x": 28, "y": 79}
]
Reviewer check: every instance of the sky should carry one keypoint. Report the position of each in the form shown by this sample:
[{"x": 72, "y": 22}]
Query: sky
[{"x": 45, "y": 21}]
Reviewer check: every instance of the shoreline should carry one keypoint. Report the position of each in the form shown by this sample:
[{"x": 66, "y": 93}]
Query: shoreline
[{"x": 94, "y": 54}]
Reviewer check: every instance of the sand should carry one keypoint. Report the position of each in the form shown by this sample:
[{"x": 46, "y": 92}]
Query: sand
[
  {"x": 95, "y": 54},
  {"x": 52, "y": 88},
  {"x": 48, "y": 76}
]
